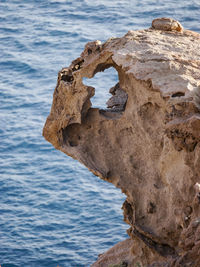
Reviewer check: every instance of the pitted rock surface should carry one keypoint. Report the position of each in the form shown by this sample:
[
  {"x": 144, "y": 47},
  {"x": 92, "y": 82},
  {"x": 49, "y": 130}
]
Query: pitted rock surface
[{"x": 147, "y": 142}]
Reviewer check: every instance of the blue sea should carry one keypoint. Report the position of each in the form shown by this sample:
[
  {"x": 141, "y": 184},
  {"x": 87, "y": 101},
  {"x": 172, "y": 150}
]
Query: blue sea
[{"x": 53, "y": 211}]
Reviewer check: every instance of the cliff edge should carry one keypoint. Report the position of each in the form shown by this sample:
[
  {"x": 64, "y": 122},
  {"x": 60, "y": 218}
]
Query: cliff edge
[{"x": 147, "y": 142}]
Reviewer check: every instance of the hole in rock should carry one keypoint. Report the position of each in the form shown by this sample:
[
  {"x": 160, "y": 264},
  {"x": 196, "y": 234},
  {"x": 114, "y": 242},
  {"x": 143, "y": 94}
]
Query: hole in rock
[
  {"x": 178, "y": 94},
  {"x": 108, "y": 94}
]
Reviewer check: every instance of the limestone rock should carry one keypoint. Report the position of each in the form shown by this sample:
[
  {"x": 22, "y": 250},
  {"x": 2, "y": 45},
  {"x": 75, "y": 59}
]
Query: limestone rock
[
  {"x": 167, "y": 24},
  {"x": 119, "y": 98},
  {"x": 147, "y": 142}
]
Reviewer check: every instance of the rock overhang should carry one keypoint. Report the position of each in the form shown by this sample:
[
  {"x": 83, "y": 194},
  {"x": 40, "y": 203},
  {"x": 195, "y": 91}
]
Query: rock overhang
[{"x": 150, "y": 147}]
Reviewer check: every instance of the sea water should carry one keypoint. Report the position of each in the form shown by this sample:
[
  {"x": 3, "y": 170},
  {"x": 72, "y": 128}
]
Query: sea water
[{"x": 53, "y": 211}]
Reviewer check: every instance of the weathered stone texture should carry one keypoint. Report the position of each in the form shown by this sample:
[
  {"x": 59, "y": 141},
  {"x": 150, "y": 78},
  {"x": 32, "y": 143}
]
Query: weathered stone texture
[{"x": 148, "y": 140}]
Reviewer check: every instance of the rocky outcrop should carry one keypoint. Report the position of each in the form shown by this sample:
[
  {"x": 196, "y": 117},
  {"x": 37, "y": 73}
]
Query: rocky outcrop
[{"x": 147, "y": 142}]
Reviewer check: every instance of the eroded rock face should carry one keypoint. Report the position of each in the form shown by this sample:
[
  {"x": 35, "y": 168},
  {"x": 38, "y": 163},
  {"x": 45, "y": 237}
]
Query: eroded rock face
[{"x": 148, "y": 140}]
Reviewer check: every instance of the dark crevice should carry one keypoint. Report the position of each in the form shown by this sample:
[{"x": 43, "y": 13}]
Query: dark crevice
[
  {"x": 128, "y": 212},
  {"x": 66, "y": 75},
  {"x": 163, "y": 249},
  {"x": 67, "y": 78},
  {"x": 70, "y": 135},
  {"x": 89, "y": 51},
  {"x": 178, "y": 94},
  {"x": 77, "y": 64}
]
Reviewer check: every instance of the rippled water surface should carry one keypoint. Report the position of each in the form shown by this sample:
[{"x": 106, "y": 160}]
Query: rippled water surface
[{"x": 52, "y": 210}]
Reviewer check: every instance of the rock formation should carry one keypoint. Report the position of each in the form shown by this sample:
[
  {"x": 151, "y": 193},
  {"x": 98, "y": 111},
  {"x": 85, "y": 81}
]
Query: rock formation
[{"x": 147, "y": 142}]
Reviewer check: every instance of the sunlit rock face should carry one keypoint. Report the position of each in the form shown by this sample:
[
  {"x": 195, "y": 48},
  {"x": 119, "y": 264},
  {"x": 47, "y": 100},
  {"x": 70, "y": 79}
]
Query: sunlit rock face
[{"x": 147, "y": 142}]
